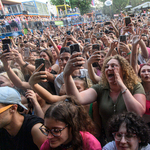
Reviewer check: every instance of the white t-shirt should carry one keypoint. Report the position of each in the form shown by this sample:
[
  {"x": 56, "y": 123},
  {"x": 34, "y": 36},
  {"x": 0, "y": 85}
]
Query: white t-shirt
[
  {"x": 112, "y": 146},
  {"x": 59, "y": 81}
]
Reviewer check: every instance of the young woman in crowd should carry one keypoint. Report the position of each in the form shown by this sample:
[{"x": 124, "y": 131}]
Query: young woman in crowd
[
  {"x": 129, "y": 131},
  {"x": 119, "y": 89},
  {"x": 68, "y": 127},
  {"x": 98, "y": 58},
  {"x": 144, "y": 73}
]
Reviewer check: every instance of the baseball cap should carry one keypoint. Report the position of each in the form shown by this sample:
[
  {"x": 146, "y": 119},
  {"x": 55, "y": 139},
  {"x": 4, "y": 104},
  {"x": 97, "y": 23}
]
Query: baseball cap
[{"x": 9, "y": 95}]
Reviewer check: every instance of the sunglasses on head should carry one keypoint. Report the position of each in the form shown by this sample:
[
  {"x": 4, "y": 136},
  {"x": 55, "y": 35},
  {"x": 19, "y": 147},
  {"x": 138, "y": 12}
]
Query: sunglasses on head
[{"x": 5, "y": 108}]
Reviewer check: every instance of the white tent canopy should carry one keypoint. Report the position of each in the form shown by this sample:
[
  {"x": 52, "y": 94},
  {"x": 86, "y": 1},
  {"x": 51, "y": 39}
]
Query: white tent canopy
[{"x": 144, "y": 5}]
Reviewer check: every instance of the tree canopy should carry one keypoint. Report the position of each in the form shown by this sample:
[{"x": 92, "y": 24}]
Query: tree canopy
[{"x": 83, "y": 5}]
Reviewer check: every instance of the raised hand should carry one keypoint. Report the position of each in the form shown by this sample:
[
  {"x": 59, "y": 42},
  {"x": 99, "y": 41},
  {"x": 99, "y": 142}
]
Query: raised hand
[
  {"x": 95, "y": 57},
  {"x": 38, "y": 76},
  {"x": 75, "y": 62},
  {"x": 118, "y": 78},
  {"x": 136, "y": 39}
]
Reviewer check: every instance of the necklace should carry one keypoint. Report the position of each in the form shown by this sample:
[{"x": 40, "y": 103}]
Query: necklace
[{"x": 66, "y": 146}]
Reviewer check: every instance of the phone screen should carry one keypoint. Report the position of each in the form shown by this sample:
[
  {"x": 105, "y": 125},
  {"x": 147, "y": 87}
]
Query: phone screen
[
  {"x": 74, "y": 48},
  {"x": 95, "y": 47},
  {"x": 6, "y": 41},
  {"x": 6, "y": 47},
  {"x": 87, "y": 40},
  {"x": 123, "y": 38},
  {"x": 38, "y": 62},
  {"x": 127, "y": 20},
  {"x": 26, "y": 52}
]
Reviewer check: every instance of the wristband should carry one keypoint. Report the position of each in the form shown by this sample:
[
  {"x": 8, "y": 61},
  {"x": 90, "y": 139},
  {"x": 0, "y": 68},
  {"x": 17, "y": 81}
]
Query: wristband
[
  {"x": 124, "y": 91},
  {"x": 129, "y": 53},
  {"x": 25, "y": 65},
  {"x": 54, "y": 76}
]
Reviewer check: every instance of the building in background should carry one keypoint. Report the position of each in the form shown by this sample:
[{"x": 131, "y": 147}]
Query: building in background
[{"x": 33, "y": 7}]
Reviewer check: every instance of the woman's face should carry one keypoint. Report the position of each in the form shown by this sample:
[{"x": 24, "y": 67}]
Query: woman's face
[
  {"x": 102, "y": 56},
  {"x": 54, "y": 53},
  {"x": 44, "y": 55},
  {"x": 5, "y": 82},
  {"x": 80, "y": 85},
  {"x": 65, "y": 136},
  {"x": 123, "y": 144},
  {"x": 145, "y": 73},
  {"x": 109, "y": 70}
]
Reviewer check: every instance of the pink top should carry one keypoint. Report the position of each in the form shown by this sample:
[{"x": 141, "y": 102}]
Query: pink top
[
  {"x": 147, "y": 107},
  {"x": 89, "y": 142}
]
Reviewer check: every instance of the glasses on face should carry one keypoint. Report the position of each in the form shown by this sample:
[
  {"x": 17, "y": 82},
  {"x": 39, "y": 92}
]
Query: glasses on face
[
  {"x": 5, "y": 108},
  {"x": 54, "y": 132},
  {"x": 128, "y": 136}
]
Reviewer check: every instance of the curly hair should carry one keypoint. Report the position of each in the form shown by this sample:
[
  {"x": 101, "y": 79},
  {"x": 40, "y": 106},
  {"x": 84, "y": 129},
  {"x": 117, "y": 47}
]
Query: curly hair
[
  {"x": 134, "y": 124},
  {"x": 72, "y": 113},
  {"x": 130, "y": 79}
]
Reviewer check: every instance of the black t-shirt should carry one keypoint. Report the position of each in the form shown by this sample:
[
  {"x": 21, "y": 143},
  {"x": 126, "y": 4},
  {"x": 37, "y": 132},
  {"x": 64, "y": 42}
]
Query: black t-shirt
[{"x": 23, "y": 140}]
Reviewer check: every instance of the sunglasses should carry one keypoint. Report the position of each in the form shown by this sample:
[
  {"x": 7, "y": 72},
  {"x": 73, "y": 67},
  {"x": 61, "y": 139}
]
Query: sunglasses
[{"x": 5, "y": 108}]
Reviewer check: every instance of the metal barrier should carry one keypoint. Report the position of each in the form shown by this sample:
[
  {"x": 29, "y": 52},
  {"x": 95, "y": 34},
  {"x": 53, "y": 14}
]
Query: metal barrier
[{"x": 11, "y": 28}]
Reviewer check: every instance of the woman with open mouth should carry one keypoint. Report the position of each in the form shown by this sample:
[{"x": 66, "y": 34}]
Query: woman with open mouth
[
  {"x": 119, "y": 89},
  {"x": 144, "y": 73}
]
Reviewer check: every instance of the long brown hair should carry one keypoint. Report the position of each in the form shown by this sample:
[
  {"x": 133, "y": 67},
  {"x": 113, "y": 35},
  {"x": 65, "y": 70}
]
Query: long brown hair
[{"x": 72, "y": 113}]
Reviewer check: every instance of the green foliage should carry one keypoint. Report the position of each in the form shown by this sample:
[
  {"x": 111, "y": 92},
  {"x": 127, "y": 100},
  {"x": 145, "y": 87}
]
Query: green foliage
[
  {"x": 118, "y": 5},
  {"x": 83, "y": 5},
  {"x": 57, "y": 2}
]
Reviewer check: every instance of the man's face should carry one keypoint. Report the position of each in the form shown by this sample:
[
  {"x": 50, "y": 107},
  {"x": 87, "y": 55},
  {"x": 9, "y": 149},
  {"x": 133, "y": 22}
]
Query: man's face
[
  {"x": 56, "y": 41},
  {"x": 64, "y": 57}
]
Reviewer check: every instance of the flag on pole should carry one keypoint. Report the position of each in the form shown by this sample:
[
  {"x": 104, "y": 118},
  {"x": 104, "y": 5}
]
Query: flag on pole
[{"x": 93, "y": 2}]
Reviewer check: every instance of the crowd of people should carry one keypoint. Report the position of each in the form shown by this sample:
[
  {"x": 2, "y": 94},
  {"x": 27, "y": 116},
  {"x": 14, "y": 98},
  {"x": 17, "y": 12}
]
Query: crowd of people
[
  {"x": 17, "y": 23},
  {"x": 84, "y": 87}
]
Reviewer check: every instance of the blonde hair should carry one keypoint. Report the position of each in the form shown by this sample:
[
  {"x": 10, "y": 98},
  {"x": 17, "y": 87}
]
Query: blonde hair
[
  {"x": 4, "y": 74},
  {"x": 130, "y": 78}
]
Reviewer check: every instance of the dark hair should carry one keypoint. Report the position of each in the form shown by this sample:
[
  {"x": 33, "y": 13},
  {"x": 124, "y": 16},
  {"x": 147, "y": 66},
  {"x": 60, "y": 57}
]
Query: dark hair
[
  {"x": 134, "y": 124},
  {"x": 72, "y": 113},
  {"x": 50, "y": 55},
  {"x": 64, "y": 49},
  {"x": 141, "y": 66},
  {"x": 19, "y": 108}
]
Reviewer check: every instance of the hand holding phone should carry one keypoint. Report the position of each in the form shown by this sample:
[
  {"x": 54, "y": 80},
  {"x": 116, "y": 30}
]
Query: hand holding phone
[
  {"x": 38, "y": 62},
  {"x": 127, "y": 20},
  {"x": 123, "y": 38},
  {"x": 95, "y": 47},
  {"x": 26, "y": 52},
  {"x": 88, "y": 40},
  {"x": 75, "y": 48},
  {"x": 6, "y": 47}
]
